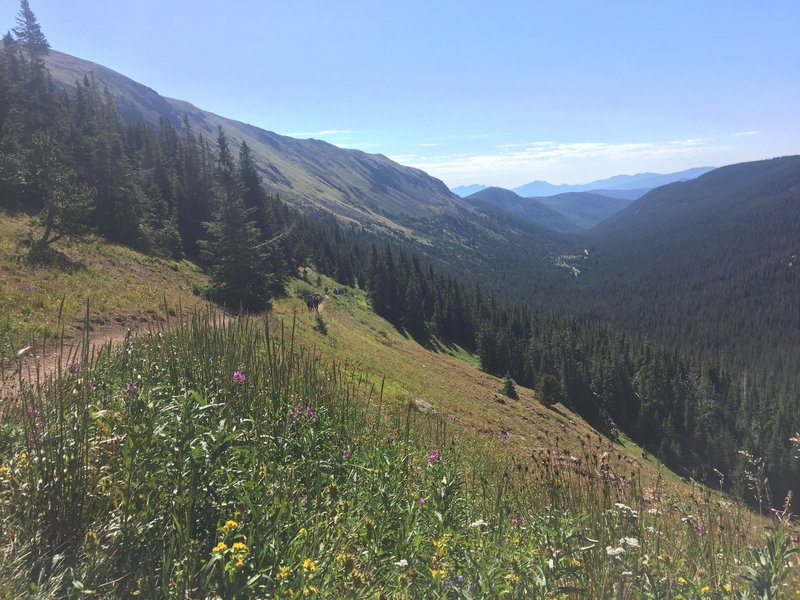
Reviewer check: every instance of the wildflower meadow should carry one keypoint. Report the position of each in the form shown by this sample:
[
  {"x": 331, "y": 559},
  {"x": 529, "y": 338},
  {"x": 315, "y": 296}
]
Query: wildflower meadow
[{"x": 218, "y": 458}]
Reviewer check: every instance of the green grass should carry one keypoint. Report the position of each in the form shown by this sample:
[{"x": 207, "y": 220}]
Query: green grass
[{"x": 119, "y": 283}]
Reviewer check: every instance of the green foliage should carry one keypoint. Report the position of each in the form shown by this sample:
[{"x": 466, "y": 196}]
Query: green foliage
[
  {"x": 771, "y": 565},
  {"x": 509, "y": 389},
  {"x": 319, "y": 324},
  {"x": 549, "y": 390}
]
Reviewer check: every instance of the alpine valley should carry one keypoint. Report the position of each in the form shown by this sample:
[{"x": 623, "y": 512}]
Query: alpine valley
[{"x": 350, "y": 381}]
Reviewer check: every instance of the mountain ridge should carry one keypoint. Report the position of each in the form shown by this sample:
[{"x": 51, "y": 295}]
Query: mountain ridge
[
  {"x": 529, "y": 209},
  {"x": 617, "y": 182},
  {"x": 358, "y": 188}
]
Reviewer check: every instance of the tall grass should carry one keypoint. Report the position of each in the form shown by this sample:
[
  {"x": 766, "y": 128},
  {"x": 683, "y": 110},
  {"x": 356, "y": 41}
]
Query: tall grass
[{"x": 219, "y": 458}]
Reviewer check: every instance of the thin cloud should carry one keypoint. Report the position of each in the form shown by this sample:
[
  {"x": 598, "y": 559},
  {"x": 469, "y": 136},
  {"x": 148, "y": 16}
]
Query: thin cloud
[
  {"x": 539, "y": 157},
  {"x": 744, "y": 133}
]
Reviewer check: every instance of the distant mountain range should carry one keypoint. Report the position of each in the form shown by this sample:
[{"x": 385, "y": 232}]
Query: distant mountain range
[
  {"x": 567, "y": 208},
  {"x": 641, "y": 181},
  {"x": 619, "y": 186}
]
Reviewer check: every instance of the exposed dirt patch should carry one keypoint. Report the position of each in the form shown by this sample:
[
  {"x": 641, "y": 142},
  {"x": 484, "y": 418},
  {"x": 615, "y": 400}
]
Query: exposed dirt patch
[{"x": 40, "y": 360}]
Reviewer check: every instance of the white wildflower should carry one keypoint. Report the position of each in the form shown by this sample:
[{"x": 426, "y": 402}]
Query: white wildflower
[
  {"x": 629, "y": 541},
  {"x": 624, "y": 509},
  {"x": 480, "y": 523},
  {"x": 401, "y": 563},
  {"x": 615, "y": 551}
]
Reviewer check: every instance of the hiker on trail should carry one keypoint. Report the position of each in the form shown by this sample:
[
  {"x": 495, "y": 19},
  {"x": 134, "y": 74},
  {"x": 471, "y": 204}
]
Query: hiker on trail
[
  {"x": 310, "y": 302},
  {"x": 317, "y": 300}
]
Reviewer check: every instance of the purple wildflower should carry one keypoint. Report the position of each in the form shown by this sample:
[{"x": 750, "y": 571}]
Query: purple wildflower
[
  {"x": 74, "y": 368},
  {"x": 460, "y": 579},
  {"x": 421, "y": 501},
  {"x": 131, "y": 388},
  {"x": 238, "y": 378},
  {"x": 310, "y": 413},
  {"x": 296, "y": 412},
  {"x": 517, "y": 521},
  {"x": 700, "y": 529},
  {"x": 434, "y": 456},
  {"x": 345, "y": 453}
]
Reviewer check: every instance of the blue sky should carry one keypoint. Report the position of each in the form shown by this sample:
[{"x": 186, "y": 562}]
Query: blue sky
[{"x": 498, "y": 93}]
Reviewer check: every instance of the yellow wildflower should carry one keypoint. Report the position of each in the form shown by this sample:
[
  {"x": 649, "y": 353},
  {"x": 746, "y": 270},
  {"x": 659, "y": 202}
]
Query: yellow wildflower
[
  {"x": 230, "y": 525},
  {"x": 727, "y": 587},
  {"x": 302, "y": 532},
  {"x": 681, "y": 580},
  {"x": 575, "y": 562},
  {"x": 283, "y": 573},
  {"x": 238, "y": 561},
  {"x": 239, "y": 547},
  {"x": 705, "y": 589},
  {"x": 512, "y": 577},
  {"x": 436, "y": 572},
  {"x": 309, "y": 591},
  {"x": 4, "y": 469},
  {"x": 221, "y": 547},
  {"x": 309, "y": 565}
]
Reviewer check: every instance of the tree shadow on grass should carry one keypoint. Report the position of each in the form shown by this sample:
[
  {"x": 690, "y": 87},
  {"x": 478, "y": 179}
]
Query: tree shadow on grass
[{"x": 43, "y": 255}]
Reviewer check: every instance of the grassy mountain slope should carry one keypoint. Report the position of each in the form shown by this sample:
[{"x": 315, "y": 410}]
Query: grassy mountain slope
[
  {"x": 121, "y": 285},
  {"x": 365, "y": 189}
]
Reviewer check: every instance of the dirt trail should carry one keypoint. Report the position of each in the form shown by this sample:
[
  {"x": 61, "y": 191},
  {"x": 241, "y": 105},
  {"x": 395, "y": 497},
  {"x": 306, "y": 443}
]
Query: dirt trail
[{"x": 42, "y": 359}]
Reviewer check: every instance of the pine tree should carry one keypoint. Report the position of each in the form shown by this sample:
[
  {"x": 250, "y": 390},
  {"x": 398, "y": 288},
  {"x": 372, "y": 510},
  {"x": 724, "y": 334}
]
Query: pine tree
[
  {"x": 66, "y": 204},
  {"x": 233, "y": 251},
  {"x": 28, "y": 32}
]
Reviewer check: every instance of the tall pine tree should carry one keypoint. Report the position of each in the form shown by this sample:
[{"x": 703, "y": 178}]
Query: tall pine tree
[
  {"x": 233, "y": 251},
  {"x": 29, "y": 33}
]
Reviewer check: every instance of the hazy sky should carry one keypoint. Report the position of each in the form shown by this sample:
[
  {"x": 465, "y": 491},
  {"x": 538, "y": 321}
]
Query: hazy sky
[{"x": 499, "y": 93}]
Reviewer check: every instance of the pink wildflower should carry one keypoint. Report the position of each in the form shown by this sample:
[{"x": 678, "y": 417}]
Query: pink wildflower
[
  {"x": 345, "y": 453},
  {"x": 434, "y": 456},
  {"x": 238, "y": 378}
]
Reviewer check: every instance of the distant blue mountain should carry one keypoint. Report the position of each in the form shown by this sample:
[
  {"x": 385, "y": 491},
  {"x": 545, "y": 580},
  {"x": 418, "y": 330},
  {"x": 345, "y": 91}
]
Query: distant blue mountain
[
  {"x": 641, "y": 182},
  {"x": 468, "y": 190}
]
